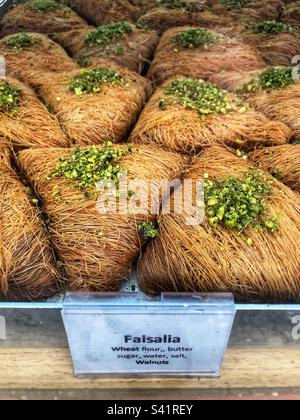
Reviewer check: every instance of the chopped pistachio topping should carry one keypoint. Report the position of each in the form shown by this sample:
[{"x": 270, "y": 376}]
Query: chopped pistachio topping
[
  {"x": 162, "y": 105},
  {"x": 20, "y": 41},
  {"x": 204, "y": 97},
  {"x": 107, "y": 34},
  {"x": 193, "y": 38},
  {"x": 91, "y": 81},
  {"x": 241, "y": 154},
  {"x": 239, "y": 204},
  {"x": 271, "y": 27},
  {"x": 89, "y": 166},
  {"x": 271, "y": 79},
  {"x": 10, "y": 97},
  {"x": 275, "y": 78},
  {"x": 148, "y": 231},
  {"x": 43, "y": 5}
]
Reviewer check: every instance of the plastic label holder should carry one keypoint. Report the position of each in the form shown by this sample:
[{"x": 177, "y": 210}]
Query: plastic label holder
[{"x": 130, "y": 334}]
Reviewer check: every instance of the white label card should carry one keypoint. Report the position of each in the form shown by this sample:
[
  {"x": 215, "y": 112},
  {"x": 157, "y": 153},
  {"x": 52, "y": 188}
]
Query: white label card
[{"x": 124, "y": 334}]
